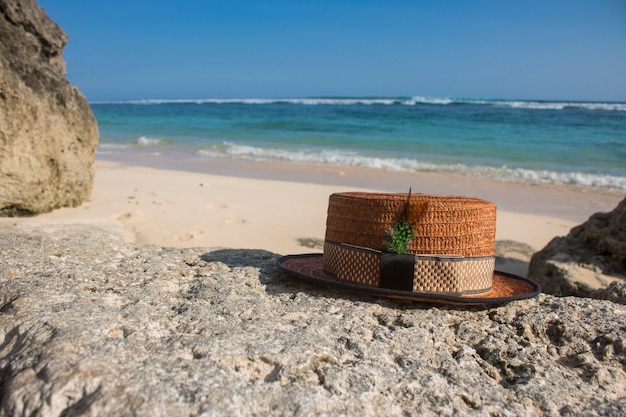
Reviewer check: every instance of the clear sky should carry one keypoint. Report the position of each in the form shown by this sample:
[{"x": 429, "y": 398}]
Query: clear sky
[{"x": 524, "y": 49}]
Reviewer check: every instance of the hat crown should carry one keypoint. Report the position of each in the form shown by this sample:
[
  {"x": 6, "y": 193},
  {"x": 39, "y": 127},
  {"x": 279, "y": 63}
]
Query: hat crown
[{"x": 442, "y": 224}]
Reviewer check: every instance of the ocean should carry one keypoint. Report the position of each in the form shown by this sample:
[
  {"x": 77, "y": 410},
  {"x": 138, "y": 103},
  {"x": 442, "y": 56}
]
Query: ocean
[{"x": 577, "y": 143}]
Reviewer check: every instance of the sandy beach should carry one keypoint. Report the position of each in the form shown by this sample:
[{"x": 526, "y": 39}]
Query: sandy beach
[{"x": 282, "y": 208}]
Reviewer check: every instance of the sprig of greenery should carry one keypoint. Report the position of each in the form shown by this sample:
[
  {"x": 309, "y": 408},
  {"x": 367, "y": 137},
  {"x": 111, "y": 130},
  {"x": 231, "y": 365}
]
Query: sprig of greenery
[{"x": 400, "y": 236}]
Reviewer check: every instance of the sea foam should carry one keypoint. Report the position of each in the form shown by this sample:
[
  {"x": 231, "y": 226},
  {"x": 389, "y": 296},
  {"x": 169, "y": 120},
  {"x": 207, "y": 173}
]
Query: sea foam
[
  {"x": 522, "y": 104},
  {"x": 343, "y": 158},
  {"x": 403, "y": 101},
  {"x": 146, "y": 141}
]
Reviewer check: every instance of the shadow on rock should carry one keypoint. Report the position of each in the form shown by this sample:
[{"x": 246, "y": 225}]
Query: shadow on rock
[
  {"x": 241, "y": 258},
  {"x": 274, "y": 281},
  {"x": 512, "y": 266},
  {"x": 277, "y": 282}
]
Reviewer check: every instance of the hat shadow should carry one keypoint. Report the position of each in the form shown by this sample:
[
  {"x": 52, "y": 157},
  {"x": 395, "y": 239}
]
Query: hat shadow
[
  {"x": 513, "y": 257},
  {"x": 277, "y": 282}
]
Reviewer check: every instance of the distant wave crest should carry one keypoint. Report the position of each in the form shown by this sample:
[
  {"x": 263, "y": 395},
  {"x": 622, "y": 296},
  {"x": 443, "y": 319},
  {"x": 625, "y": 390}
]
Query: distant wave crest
[
  {"x": 524, "y": 104},
  {"x": 404, "y": 101},
  {"x": 145, "y": 141},
  {"x": 301, "y": 101},
  {"x": 353, "y": 159}
]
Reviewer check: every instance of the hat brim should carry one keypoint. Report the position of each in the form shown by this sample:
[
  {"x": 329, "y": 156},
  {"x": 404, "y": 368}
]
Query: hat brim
[{"x": 505, "y": 287}]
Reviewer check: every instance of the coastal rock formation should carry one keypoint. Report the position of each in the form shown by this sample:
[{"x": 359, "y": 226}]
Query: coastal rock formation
[
  {"x": 92, "y": 325},
  {"x": 589, "y": 262},
  {"x": 48, "y": 134}
]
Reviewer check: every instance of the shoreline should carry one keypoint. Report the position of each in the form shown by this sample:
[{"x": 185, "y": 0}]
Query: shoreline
[
  {"x": 281, "y": 208},
  {"x": 571, "y": 202}
]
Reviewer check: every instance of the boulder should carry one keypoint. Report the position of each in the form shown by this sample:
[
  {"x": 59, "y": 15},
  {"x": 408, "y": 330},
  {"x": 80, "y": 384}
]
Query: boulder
[
  {"x": 589, "y": 262},
  {"x": 48, "y": 134},
  {"x": 92, "y": 325}
]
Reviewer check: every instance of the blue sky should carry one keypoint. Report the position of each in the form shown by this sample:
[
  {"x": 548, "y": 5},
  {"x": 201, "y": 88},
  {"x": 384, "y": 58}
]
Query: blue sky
[{"x": 527, "y": 49}]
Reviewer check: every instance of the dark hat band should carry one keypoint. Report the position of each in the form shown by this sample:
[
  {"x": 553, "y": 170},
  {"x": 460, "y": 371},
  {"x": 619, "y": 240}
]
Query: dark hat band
[{"x": 422, "y": 273}]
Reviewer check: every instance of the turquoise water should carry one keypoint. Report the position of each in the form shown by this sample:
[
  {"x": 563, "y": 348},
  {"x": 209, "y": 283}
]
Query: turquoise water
[{"x": 539, "y": 141}]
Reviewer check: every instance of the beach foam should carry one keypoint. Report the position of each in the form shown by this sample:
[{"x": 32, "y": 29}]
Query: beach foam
[
  {"x": 406, "y": 101},
  {"x": 145, "y": 141},
  {"x": 340, "y": 158}
]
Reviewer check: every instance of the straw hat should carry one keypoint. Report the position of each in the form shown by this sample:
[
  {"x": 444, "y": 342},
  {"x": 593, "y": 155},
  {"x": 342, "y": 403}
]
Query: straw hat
[{"x": 432, "y": 248}]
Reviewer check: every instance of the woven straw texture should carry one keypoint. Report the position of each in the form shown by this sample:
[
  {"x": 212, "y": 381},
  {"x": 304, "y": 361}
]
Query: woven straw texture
[
  {"x": 469, "y": 276},
  {"x": 442, "y": 224},
  {"x": 355, "y": 265},
  {"x": 435, "y": 275}
]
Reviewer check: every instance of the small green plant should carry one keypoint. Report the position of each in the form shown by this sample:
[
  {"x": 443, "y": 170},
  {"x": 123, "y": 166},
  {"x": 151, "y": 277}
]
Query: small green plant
[{"x": 400, "y": 236}]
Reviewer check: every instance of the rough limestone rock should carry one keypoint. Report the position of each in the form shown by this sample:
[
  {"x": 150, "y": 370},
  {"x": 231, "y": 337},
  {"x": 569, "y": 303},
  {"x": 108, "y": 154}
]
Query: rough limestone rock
[
  {"x": 589, "y": 262},
  {"x": 91, "y": 325},
  {"x": 48, "y": 134}
]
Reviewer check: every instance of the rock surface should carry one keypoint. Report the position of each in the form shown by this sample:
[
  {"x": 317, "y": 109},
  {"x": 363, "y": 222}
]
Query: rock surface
[
  {"x": 589, "y": 262},
  {"x": 92, "y": 325},
  {"x": 48, "y": 134}
]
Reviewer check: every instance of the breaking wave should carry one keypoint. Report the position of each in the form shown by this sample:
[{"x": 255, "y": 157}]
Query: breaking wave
[
  {"x": 146, "y": 141},
  {"x": 354, "y": 159},
  {"x": 404, "y": 101}
]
